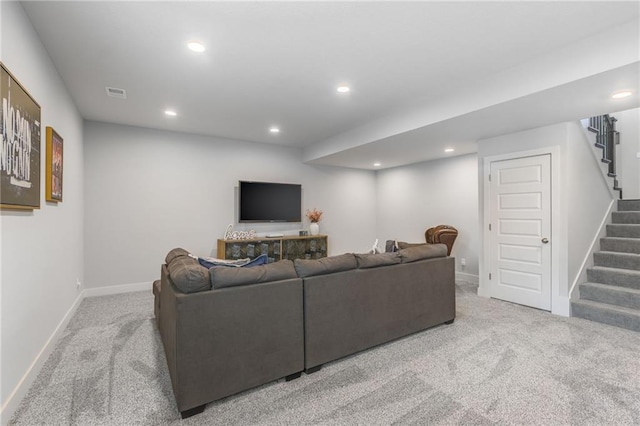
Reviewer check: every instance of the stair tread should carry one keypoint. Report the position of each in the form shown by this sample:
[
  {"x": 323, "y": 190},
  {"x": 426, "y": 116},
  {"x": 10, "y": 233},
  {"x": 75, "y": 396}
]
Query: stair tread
[
  {"x": 608, "y": 268},
  {"x": 606, "y": 306},
  {"x": 620, "y": 253},
  {"x": 627, "y": 290},
  {"x": 621, "y": 238}
]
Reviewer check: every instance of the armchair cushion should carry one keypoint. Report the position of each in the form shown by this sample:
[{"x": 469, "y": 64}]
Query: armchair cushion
[{"x": 445, "y": 234}]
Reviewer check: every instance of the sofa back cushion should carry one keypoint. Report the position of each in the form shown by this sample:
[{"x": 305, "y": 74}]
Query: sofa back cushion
[
  {"x": 224, "y": 276},
  {"x": 188, "y": 275},
  {"x": 425, "y": 251},
  {"x": 370, "y": 260},
  {"x": 404, "y": 245},
  {"x": 326, "y": 265}
]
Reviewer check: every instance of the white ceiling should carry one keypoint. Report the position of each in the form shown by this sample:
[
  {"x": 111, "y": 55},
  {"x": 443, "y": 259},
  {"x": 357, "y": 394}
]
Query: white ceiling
[{"x": 279, "y": 63}]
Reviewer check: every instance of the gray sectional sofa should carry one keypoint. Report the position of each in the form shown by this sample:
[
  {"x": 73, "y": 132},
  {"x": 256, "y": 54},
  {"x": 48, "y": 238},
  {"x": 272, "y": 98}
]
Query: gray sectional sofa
[{"x": 226, "y": 329}]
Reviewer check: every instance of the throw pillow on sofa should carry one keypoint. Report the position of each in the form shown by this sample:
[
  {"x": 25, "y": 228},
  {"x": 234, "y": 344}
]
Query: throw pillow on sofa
[
  {"x": 327, "y": 265},
  {"x": 422, "y": 251},
  {"x": 188, "y": 275},
  {"x": 174, "y": 254},
  {"x": 222, "y": 276},
  {"x": 369, "y": 260}
]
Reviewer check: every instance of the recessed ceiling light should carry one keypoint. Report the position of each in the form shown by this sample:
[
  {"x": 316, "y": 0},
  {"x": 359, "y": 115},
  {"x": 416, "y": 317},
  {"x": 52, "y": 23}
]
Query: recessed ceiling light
[
  {"x": 449, "y": 150},
  {"x": 171, "y": 113},
  {"x": 343, "y": 89},
  {"x": 621, "y": 94},
  {"x": 377, "y": 164},
  {"x": 196, "y": 46},
  {"x": 274, "y": 129}
]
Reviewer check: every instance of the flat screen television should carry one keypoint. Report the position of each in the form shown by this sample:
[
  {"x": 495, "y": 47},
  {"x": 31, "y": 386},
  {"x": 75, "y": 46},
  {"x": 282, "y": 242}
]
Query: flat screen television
[{"x": 270, "y": 202}]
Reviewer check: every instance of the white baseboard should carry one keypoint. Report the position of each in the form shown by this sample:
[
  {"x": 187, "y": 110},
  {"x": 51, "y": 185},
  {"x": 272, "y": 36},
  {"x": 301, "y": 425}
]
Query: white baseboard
[
  {"x": 117, "y": 289},
  {"x": 561, "y": 306},
  {"x": 467, "y": 277},
  {"x": 14, "y": 399}
]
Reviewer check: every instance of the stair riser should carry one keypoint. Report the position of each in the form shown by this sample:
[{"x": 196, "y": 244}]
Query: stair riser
[
  {"x": 629, "y": 205},
  {"x": 617, "y": 260},
  {"x": 626, "y": 217},
  {"x": 622, "y": 246},
  {"x": 618, "y": 319},
  {"x": 611, "y": 296},
  {"x": 619, "y": 278},
  {"x": 624, "y": 231}
]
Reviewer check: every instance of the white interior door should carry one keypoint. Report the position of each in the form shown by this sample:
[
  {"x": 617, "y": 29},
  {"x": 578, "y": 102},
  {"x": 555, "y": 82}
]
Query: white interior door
[{"x": 521, "y": 231}]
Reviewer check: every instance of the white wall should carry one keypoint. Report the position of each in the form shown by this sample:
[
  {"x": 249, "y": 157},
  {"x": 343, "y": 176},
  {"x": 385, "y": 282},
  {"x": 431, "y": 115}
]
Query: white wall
[
  {"x": 148, "y": 191},
  {"x": 588, "y": 197},
  {"x": 628, "y": 160},
  {"x": 413, "y": 198},
  {"x": 41, "y": 255}
]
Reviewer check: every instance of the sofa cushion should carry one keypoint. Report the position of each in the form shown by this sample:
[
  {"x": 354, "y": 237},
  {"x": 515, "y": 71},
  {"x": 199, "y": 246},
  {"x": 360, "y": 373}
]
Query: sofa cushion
[
  {"x": 222, "y": 276},
  {"x": 188, "y": 275},
  {"x": 369, "y": 260},
  {"x": 423, "y": 251},
  {"x": 327, "y": 265},
  {"x": 175, "y": 254},
  {"x": 404, "y": 245}
]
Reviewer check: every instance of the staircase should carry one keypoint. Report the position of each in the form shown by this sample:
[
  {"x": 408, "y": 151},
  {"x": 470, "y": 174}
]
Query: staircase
[{"x": 612, "y": 293}]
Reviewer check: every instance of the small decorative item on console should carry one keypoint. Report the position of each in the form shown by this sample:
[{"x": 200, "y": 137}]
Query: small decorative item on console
[
  {"x": 314, "y": 215},
  {"x": 230, "y": 234}
]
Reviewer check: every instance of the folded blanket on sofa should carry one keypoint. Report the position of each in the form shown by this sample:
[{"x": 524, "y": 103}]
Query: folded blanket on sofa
[{"x": 210, "y": 262}]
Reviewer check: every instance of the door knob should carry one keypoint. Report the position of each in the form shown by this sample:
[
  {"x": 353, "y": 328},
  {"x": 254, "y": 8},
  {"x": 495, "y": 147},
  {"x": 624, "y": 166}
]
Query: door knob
[{"x": 545, "y": 240}]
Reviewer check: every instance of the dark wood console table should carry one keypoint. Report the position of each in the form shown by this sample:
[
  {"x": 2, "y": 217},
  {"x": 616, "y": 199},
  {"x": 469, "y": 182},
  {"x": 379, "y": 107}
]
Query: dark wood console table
[{"x": 286, "y": 247}]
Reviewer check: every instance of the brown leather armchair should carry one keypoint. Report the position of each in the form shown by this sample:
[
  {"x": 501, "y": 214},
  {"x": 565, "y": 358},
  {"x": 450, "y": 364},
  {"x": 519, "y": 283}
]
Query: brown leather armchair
[{"x": 443, "y": 234}]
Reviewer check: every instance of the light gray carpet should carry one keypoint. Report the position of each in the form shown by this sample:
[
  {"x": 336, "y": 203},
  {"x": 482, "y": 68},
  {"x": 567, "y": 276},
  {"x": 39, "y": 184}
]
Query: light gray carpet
[{"x": 498, "y": 363}]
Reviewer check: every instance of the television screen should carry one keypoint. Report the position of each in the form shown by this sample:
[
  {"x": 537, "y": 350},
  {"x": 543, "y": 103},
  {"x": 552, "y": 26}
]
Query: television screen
[{"x": 270, "y": 202}]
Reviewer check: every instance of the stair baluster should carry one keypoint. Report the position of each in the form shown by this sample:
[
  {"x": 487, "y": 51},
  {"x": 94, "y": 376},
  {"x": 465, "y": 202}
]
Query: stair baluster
[{"x": 606, "y": 139}]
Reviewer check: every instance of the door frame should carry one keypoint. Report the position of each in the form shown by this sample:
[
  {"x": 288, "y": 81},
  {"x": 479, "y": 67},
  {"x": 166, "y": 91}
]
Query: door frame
[{"x": 559, "y": 236}]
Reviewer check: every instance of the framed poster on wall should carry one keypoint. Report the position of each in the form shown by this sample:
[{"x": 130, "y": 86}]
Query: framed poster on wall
[
  {"x": 20, "y": 145},
  {"x": 53, "y": 169}
]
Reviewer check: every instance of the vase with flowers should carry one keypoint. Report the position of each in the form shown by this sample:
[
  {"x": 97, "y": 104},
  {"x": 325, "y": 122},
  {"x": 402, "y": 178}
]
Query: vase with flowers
[{"x": 314, "y": 215}]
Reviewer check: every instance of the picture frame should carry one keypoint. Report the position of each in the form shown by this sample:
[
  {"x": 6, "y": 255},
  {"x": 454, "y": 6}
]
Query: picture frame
[
  {"x": 54, "y": 166},
  {"x": 20, "y": 144}
]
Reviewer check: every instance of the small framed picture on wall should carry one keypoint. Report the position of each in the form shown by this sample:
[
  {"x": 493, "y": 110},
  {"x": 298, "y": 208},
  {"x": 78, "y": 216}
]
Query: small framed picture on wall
[{"x": 54, "y": 166}]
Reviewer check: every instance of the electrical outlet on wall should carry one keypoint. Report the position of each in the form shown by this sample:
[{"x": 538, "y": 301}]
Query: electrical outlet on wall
[
  {"x": 78, "y": 284},
  {"x": 463, "y": 262}
]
